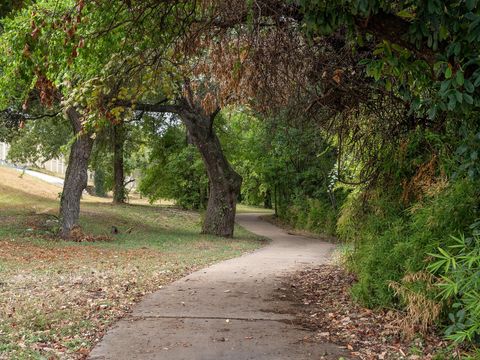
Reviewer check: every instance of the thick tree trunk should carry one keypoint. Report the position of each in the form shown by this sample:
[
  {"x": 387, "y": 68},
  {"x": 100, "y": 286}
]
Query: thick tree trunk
[
  {"x": 225, "y": 183},
  {"x": 118, "y": 169},
  {"x": 76, "y": 176}
]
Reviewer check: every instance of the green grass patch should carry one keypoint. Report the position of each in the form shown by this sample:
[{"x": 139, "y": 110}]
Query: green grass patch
[{"x": 244, "y": 209}]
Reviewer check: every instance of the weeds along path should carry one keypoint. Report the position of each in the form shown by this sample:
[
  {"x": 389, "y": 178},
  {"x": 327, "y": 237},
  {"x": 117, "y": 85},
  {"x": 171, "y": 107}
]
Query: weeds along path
[{"x": 226, "y": 311}]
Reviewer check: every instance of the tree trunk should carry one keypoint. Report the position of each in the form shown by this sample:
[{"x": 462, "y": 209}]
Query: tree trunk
[
  {"x": 276, "y": 201},
  {"x": 267, "y": 201},
  {"x": 118, "y": 169},
  {"x": 76, "y": 176},
  {"x": 224, "y": 182}
]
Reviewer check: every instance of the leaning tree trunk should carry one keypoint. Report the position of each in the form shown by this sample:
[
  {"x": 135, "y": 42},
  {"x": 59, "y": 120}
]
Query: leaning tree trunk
[
  {"x": 224, "y": 182},
  {"x": 118, "y": 168},
  {"x": 76, "y": 176}
]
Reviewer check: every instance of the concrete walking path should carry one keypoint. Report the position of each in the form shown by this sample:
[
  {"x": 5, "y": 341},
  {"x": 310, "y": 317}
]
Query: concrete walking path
[
  {"x": 226, "y": 311},
  {"x": 47, "y": 178}
]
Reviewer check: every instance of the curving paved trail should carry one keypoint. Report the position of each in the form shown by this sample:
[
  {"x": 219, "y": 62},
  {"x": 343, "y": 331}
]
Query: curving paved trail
[
  {"x": 47, "y": 178},
  {"x": 226, "y": 311}
]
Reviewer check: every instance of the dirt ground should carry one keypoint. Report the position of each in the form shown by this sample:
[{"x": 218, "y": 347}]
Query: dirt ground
[{"x": 324, "y": 305}]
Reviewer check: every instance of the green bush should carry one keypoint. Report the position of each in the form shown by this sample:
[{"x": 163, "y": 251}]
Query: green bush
[
  {"x": 377, "y": 260},
  {"x": 180, "y": 177},
  {"x": 175, "y": 171},
  {"x": 350, "y": 216},
  {"x": 433, "y": 221},
  {"x": 390, "y": 241},
  {"x": 322, "y": 217},
  {"x": 458, "y": 266},
  {"x": 316, "y": 215}
]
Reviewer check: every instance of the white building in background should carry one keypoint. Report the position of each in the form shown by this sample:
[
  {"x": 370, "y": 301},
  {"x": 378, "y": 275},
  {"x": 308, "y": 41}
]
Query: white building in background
[{"x": 3, "y": 152}]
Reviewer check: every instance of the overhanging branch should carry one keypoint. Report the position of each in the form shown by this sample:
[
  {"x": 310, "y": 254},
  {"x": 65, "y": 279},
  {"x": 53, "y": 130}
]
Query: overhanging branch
[
  {"x": 159, "y": 107},
  {"x": 19, "y": 115}
]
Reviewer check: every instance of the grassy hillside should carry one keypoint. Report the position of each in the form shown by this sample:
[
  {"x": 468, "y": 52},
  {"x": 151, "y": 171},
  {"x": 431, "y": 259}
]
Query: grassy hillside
[{"x": 56, "y": 297}]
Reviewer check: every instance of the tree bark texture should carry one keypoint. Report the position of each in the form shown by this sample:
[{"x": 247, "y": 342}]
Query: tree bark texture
[
  {"x": 225, "y": 183},
  {"x": 118, "y": 166},
  {"x": 76, "y": 176}
]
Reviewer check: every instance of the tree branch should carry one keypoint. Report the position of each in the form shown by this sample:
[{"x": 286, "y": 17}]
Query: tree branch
[
  {"x": 393, "y": 28},
  {"x": 213, "y": 115},
  {"x": 10, "y": 112},
  {"x": 159, "y": 107}
]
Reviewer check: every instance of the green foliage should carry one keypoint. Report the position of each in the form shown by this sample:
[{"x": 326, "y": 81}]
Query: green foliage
[
  {"x": 393, "y": 223},
  {"x": 40, "y": 140},
  {"x": 468, "y": 152},
  {"x": 6, "y": 6},
  {"x": 314, "y": 215},
  {"x": 458, "y": 266},
  {"x": 175, "y": 172},
  {"x": 83, "y": 51},
  {"x": 448, "y": 212},
  {"x": 99, "y": 182},
  {"x": 435, "y": 70},
  {"x": 284, "y": 162},
  {"x": 350, "y": 215},
  {"x": 134, "y": 154},
  {"x": 244, "y": 139},
  {"x": 390, "y": 242},
  {"x": 375, "y": 235}
]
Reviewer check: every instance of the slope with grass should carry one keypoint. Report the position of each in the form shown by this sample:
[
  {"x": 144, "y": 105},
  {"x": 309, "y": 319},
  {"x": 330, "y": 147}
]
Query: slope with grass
[{"x": 57, "y": 298}]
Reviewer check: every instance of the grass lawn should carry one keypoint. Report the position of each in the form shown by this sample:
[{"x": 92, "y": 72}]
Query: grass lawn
[
  {"x": 241, "y": 208},
  {"x": 57, "y": 298}
]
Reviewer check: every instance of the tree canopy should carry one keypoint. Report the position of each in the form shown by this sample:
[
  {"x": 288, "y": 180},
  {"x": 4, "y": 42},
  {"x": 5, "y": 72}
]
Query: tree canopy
[{"x": 358, "y": 118}]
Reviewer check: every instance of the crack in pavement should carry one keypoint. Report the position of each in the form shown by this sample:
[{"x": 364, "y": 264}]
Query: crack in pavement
[{"x": 148, "y": 317}]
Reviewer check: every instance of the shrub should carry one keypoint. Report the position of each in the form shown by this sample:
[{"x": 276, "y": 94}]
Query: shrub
[
  {"x": 391, "y": 241},
  {"x": 316, "y": 215},
  {"x": 458, "y": 266},
  {"x": 180, "y": 177},
  {"x": 417, "y": 291},
  {"x": 448, "y": 212},
  {"x": 350, "y": 217}
]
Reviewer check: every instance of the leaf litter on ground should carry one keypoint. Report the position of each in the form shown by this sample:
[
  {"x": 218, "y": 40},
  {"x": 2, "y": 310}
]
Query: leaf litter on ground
[{"x": 325, "y": 306}]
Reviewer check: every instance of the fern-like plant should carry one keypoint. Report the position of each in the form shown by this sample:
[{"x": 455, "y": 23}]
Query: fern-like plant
[{"x": 458, "y": 267}]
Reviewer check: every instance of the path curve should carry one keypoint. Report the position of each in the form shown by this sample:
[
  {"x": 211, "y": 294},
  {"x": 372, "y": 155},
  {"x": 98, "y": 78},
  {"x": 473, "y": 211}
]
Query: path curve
[
  {"x": 226, "y": 311},
  {"x": 54, "y": 180}
]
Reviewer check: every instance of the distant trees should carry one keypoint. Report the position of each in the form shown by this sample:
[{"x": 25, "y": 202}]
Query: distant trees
[
  {"x": 38, "y": 140},
  {"x": 174, "y": 169}
]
